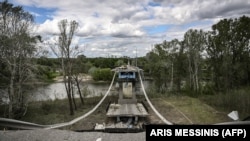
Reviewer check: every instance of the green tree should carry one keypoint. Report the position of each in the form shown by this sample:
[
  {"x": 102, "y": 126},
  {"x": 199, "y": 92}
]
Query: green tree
[
  {"x": 228, "y": 50},
  {"x": 104, "y": 74},
  {"x": 158, "y": 68},
  {"x": 195, "y": 42},
  {"x": 166, "y": 64},
  {"x": 181, "y": 65},
  {"x": 17, "y": 47},
  {"x": 119, "y": 63}
]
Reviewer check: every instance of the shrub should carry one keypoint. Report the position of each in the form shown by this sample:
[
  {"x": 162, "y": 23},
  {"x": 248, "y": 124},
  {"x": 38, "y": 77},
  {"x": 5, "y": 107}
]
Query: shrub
[
  {"x": 104, "y": 74},
  {"x": 46, "y": 108}
]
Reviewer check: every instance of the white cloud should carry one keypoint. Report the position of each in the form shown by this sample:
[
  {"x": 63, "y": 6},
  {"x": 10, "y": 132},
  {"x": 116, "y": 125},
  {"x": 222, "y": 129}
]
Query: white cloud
[
  {"x": 120, "y": 23},
  {"x": 48, "y": 27}
]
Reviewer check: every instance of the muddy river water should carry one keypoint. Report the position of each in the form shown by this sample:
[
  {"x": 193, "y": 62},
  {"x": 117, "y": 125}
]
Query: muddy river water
[{"x": 57, "y": 90}]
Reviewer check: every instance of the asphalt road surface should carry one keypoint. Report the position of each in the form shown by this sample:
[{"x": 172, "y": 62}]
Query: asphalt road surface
[{"x": 64, "y": 135}]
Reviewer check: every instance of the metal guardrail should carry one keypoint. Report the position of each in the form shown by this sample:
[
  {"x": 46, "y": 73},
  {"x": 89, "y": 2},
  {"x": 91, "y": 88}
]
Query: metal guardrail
[{"x": 5, "y": 122}]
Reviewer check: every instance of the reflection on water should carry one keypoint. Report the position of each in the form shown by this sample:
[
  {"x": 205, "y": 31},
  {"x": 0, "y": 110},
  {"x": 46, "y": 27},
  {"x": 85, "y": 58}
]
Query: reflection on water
[{"x": 57, "y": 91}]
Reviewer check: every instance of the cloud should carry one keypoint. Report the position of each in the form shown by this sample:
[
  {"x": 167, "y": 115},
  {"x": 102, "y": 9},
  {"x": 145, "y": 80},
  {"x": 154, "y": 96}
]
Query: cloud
[
  {"x": 223, "y": 9},
  {"x": 48, "y": 27},
  {"x": 119, "y": 26}
]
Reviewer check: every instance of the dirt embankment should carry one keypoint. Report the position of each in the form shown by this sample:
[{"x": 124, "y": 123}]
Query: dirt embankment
[{"x": 177, "y": 109}]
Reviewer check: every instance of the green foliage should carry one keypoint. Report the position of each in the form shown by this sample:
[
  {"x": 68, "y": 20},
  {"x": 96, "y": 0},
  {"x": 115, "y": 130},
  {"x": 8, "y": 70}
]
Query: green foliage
[
  {"x": 119, "y": 63},
  {"x": 232, "y": 100},
  {"x": 86, "y": 67},
  {"x": 92, "y": 70},
  {"x": 17, "y": 46},
  {"x": 50, "y": 62},
  {"x": 104, "y": 74},
  {"x": 216, "y": 60},
  {"x": 167, "y": 65},
  {"x": 46, "y": 73},
  {"x": 228, "y": 50},
  {"x": 194, "y": 41}
]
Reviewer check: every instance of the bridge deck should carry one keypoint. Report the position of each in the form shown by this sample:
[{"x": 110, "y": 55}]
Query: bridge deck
[{"x": 127, "y": 110}]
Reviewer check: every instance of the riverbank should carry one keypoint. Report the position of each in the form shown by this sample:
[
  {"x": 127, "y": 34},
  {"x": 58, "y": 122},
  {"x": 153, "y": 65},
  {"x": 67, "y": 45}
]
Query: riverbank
[
  {"x": 57, "y": 111},
  {"x": 81, "y": 77},
  {"x": 176, "y": 109}
]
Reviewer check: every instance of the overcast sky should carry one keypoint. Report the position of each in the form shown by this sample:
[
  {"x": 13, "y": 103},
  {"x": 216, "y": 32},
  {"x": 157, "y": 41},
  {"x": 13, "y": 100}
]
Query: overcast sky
[{"x": 129, "y": 27}]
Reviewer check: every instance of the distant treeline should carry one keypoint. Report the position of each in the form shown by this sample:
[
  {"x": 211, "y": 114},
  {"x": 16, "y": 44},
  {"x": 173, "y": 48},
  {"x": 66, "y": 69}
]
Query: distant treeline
[{"x": 204, "y": 61}]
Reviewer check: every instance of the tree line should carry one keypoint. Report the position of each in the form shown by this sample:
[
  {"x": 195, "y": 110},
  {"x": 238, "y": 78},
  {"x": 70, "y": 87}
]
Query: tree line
[{"x": 204, "y": 61}]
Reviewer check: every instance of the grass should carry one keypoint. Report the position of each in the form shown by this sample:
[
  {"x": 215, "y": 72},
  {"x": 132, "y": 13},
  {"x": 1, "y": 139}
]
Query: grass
[
  {"x": 187, "y": 110},
  {"x": 57, "y": 111},
  {"x": 238, "y": 100},
  {"x": 204, "y": 109},
  {"x": 177, "y": 108}
]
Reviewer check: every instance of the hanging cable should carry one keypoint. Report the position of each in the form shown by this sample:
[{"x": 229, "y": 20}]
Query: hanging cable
[{"x": 151, "y": 105}]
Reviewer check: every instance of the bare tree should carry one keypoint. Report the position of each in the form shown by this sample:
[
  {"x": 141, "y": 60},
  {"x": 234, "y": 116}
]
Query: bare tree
[{"x": 66, "y": 52}]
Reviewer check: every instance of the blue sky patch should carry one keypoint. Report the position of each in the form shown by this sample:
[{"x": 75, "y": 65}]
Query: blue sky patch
[
  {"x": 196, "y": 24},
  {"x": 157, "y": 29},
  {"x": 40, "y": 14},
  {"x": 154, "y": 4}
]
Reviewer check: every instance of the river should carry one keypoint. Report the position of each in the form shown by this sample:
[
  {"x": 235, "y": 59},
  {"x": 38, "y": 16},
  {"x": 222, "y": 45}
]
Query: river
[
  {"x": 57, "y": 91},
  {"x": 53, "y": 91}
]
